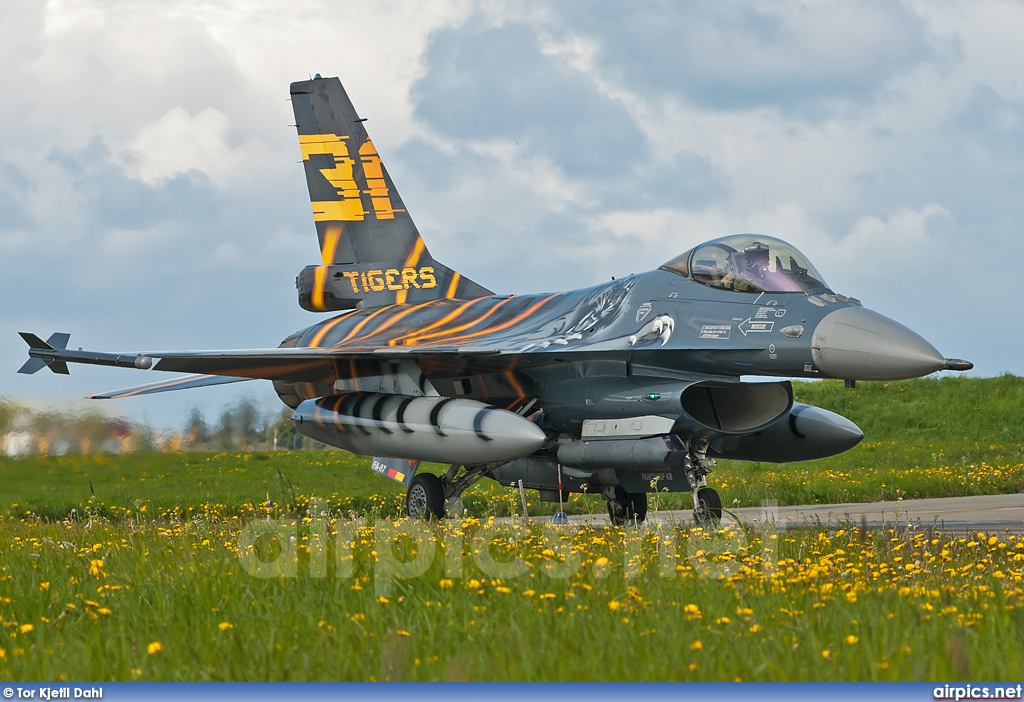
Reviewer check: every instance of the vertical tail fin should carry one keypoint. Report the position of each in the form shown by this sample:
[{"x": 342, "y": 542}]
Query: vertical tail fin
[{"x": 371, "y": 251}]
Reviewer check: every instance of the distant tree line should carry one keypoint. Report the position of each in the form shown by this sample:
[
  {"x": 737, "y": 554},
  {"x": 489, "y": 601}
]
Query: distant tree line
[
  {"x": 25, "y": 431},
  {"x": 242, "y": 426}
]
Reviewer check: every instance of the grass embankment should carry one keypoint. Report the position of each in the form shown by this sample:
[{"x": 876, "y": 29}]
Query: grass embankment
[
  {"x": 174, "y": 601},
  {"x": 924, "y": 438},
  {"x": 151, "y": 567}
]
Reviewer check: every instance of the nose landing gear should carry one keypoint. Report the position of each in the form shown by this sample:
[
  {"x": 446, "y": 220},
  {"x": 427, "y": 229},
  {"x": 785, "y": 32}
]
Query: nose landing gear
[{"x": 707, "y": 504}]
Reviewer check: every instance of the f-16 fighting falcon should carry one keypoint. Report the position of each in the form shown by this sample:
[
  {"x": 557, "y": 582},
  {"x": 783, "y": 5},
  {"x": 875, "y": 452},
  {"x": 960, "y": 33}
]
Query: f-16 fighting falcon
[{"x": 622, "y": 388}]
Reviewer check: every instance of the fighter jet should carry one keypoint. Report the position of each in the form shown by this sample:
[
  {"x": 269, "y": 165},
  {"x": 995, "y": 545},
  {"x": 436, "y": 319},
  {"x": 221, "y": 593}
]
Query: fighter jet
[{"x": 629, "y": 386}]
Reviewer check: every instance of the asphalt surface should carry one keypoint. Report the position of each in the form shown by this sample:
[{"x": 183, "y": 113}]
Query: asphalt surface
[{"x": 950, "y": 514}]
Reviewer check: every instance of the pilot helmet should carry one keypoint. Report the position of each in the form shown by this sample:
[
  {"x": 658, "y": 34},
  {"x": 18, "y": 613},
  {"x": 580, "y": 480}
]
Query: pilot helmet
[{"x": 756, "y": 257}]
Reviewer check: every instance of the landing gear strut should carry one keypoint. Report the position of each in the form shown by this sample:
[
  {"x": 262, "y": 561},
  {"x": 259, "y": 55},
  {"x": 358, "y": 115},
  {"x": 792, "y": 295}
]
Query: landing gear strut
[
  {"x": 707, "y": 505},
  {"x": 625, "y": 507},
  {"x": 430, "y": 496}
]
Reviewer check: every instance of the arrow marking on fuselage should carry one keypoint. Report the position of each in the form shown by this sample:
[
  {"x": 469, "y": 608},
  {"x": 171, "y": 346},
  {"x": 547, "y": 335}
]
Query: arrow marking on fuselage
[{"x": 749, "y": 327}]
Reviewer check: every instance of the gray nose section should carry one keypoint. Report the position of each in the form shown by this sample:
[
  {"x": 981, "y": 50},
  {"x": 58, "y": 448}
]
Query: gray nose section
[{"x": 857, "y": 344}]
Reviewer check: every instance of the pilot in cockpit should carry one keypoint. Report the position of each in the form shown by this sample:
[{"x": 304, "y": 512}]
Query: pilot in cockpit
[{"x": 747, "y": 270}]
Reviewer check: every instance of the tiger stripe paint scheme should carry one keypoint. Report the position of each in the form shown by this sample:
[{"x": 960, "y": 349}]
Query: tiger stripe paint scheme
[
  {"x": 423, "y": 363},
  {"x": 371, "y": 252}
]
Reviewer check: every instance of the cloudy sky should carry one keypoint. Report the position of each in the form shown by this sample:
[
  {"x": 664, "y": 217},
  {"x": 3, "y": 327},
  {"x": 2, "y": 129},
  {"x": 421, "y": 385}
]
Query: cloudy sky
[{"x": 151, "y": 195}]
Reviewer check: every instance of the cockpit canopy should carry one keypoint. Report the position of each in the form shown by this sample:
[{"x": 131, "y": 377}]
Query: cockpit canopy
[{"x": 748, "y": 263}]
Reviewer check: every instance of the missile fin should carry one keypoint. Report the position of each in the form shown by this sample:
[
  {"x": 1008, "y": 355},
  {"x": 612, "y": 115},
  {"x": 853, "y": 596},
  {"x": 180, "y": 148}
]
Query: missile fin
[{"x": 32, "y": 365}]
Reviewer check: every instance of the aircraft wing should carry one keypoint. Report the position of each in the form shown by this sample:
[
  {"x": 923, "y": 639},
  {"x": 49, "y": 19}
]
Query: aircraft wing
[
  {"x": 324, "y": 365},
  {"x": 183, "y": 383}
]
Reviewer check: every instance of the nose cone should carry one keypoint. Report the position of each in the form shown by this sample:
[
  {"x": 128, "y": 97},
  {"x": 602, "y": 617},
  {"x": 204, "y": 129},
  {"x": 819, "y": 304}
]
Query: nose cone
[{"x": 853, "y": 343}]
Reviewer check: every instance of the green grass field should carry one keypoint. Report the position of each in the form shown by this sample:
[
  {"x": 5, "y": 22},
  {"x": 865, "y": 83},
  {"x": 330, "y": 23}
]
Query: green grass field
[
  {"x": 251, "y": 567},
  {"x": 925, "y": 438},
  {"x": 173, "y": 601}
]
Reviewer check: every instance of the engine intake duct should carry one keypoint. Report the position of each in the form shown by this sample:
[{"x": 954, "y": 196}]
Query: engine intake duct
[
  {"x": 696, "y": 408},
  {"x": 736, "y": 408},
  {"x": 446, "y": 430}
]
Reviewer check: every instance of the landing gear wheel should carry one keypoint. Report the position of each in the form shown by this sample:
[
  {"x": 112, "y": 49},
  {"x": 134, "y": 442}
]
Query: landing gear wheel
[
  {"x": 707, "y": 508},
  {"x": 425, "y": 497},
  {"x": 627, "y": 507}
]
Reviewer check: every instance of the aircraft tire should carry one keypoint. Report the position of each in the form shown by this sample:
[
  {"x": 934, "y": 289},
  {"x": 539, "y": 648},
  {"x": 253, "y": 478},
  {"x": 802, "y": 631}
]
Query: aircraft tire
[
  {"x": 708, "y": 510},
  {"x": 633, "y": 507},
  {"x": 425, "y": 497}
]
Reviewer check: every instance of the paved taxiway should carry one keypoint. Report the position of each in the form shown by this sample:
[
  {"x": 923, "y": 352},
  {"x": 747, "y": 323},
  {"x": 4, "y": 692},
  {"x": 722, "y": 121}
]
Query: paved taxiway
[{"x": 951, "y": 514}]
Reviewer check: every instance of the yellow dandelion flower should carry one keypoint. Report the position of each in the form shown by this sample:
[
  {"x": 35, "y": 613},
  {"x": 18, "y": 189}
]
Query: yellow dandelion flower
[
  {"x": 446, "y": 583},
  {"x": 26, "y": 628},
  {"x": 383, "y": 600},
  {"x": 614, "y": 605},
  {"x": 44, "y": 586},
  {"x": 851, "y": 640},
  {"x": 402, "y": 632},
  {"x": 224, "y": 626},
  {"x": 103, "y": 610},
  {"x": 503, "y": 590},
  {"x": 473, "y": 584},
  {"x": 696, "y": 646},
  {"x": 155, "y": 647}
]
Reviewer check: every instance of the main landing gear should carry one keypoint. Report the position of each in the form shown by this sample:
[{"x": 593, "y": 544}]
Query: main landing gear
[
  {"x": 625, "y": 507},
  {"x": 424, "y": 499},
  {"x": 707, "y": 505},
  {"x": 430, "y": 496}
]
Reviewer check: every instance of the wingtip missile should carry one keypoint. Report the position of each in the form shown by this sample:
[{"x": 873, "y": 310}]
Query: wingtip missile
[
  {"x": 58, "y": 341},
  {"x": 54, "y": 354}
]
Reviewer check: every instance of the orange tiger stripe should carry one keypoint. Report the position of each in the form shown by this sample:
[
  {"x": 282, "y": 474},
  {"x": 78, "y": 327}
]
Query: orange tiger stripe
[
  {"x": 501, "y": 327},
  {"x": 434, "y": 325},
  {"x": 467, "y": 325}
]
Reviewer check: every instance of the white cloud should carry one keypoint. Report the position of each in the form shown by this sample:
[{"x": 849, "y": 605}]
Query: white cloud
[
  {"x": 180, "y": 142},
  {"x": 156, "y": 158}
]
